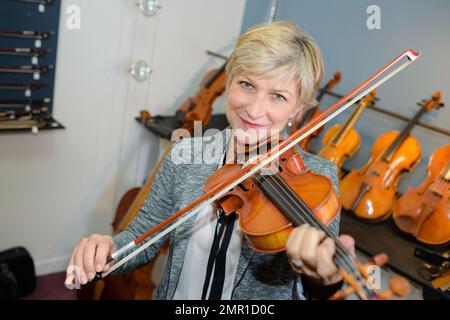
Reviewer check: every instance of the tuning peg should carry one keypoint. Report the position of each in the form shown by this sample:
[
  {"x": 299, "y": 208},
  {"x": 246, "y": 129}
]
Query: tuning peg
[
  {"x": 145, "y": 116},
  {"x": 380, "y": 259}
]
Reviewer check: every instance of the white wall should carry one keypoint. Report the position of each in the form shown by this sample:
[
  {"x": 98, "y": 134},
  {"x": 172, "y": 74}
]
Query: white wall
[{"x": 61, "y": 185}]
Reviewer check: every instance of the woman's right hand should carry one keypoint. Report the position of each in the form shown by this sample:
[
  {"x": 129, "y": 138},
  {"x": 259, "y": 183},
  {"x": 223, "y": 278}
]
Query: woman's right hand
[{"x": 89, "y": 257}]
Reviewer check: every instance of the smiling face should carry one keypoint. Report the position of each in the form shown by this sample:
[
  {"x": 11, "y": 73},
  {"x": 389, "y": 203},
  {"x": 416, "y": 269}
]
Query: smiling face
[{"x": 258, "y": 107}]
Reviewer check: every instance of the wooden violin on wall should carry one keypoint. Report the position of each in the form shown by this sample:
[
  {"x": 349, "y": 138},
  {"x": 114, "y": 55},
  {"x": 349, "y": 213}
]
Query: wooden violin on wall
[
  {"x": 370, "y": 191},
  {"x": 424, "y": 212},
  {"x": 197, "y": 107},
  {"x": 342, "y": 141}
]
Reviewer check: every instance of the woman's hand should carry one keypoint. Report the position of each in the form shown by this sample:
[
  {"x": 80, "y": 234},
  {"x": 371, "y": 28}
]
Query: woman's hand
[
  {"x": 89, "y": 257},
  {"x": 311, "y": 254}
]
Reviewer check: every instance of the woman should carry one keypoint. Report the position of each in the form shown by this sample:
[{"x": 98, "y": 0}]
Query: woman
[{"x": 272, "y": 75}]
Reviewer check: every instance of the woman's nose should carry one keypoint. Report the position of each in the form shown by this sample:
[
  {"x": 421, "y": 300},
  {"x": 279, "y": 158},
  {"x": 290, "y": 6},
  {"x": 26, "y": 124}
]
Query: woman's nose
[{"x": 256, "y": 108}]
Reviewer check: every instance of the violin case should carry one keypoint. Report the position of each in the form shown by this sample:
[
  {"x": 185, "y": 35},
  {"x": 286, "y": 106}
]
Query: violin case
[{"x": 17, "y": 273}]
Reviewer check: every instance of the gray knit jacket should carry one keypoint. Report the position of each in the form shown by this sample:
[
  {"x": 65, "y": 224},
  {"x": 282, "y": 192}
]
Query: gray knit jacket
[{"x": 259, "y": 276}]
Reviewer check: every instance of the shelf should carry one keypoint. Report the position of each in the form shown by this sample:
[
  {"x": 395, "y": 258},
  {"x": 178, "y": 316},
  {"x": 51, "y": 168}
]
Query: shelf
[
  {"x": 51, "y": 124},
  {"x": 163, "y": 126}
]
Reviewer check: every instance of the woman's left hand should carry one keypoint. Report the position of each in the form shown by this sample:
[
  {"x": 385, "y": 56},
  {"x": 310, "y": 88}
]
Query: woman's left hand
[{"x": 311, "y": 254}]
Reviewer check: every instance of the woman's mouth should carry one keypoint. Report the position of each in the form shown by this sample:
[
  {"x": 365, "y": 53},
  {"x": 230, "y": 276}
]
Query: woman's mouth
[{"x": 251, "y": 125}]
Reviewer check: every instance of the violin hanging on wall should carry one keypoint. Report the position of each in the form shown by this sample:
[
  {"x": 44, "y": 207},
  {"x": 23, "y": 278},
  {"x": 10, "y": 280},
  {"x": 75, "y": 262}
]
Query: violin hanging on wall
[
  {"x": 424, "y": 212},
  {"x": 197, "y": 107},
  {"x": 342, "y": 141},
  {"x": 371, "y": 190}
]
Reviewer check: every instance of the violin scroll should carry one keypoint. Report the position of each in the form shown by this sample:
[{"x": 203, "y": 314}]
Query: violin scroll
[
  {"x": 333, "y": 82},
  {"x": 434, "y": 102}
]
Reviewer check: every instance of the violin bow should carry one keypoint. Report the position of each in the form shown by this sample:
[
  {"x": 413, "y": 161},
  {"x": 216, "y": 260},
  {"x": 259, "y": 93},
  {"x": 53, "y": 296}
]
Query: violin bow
[
  {"x": 32, "y": 52},
  {"x": 24, "y": 86},
  {"x": 250, "y": 169},
  {"x": 25, "y": 69},
  {"x": 26, "y": 34},
  {"x": 23, "y": 103},
  {"x": 36, "y": 1}
]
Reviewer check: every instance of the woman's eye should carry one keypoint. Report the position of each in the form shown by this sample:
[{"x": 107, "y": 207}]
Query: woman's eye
[
  {"x": 279, "y": 98},
  {"x": 245, "y": 85}
]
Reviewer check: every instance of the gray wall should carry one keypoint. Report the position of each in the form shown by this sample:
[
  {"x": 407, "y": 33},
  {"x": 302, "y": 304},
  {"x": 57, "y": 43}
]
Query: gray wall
[{"x": 349, "y": 46}]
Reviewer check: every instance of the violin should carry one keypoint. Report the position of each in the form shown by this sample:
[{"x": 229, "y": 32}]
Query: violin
[
  {"x": 314, "y": 112},
  {"x": 296, "y": 206},
  {"x": 370, "y": 191},
  {"x": 342, "y": 141},
  {"x": 199, "y": 106},
  {"x": 257, "y": 201},
  {"x": 424, "y": 212}
]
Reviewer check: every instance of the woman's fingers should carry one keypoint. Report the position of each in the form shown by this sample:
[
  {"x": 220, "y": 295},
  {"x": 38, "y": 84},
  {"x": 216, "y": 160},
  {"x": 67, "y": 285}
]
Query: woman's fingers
[
  {"x": 348, "y": 242},
  {"x": 310, "y": 253},
  {"x": 70, "y": 273},
  {"x": 326, "y": 268},
  {"x": 79, "y": 263},
  {"x": 293, "y": 244},
  {"x": 300, "y": 249},
  {"x": 309, "y": 247},
  {"x": 104, "y": 247},
  {"x": 89, "y": 257}
]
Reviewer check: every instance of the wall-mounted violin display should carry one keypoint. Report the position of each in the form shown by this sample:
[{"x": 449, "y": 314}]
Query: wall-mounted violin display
[{"x": 370, "y": 192}]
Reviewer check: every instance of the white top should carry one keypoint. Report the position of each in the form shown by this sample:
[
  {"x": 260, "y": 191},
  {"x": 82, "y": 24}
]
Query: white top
[{"x": 193, "y": 272}]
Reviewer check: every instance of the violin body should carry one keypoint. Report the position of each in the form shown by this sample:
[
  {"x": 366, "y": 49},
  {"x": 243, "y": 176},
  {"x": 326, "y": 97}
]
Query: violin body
[
  {"x": 346, "y": 148},
  {"x": 424, "y": 211},
  {"x": 199, "y": 107},
  {"x": 370, "y": 191},
  {"x": 266, "y": 227}
]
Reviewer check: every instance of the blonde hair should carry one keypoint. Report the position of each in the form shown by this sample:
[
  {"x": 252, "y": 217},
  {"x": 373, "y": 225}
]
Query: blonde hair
[{"x": 278, "y": 49}]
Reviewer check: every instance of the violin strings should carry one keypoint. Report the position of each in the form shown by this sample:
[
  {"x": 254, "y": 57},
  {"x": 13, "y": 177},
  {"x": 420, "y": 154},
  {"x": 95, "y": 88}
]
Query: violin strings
[
  {"x": 277, "y": 191},
  {"x": 341, "y": 257},
  {"x": 316, "y": 222},
  {"x": 312, "y": 220}
]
